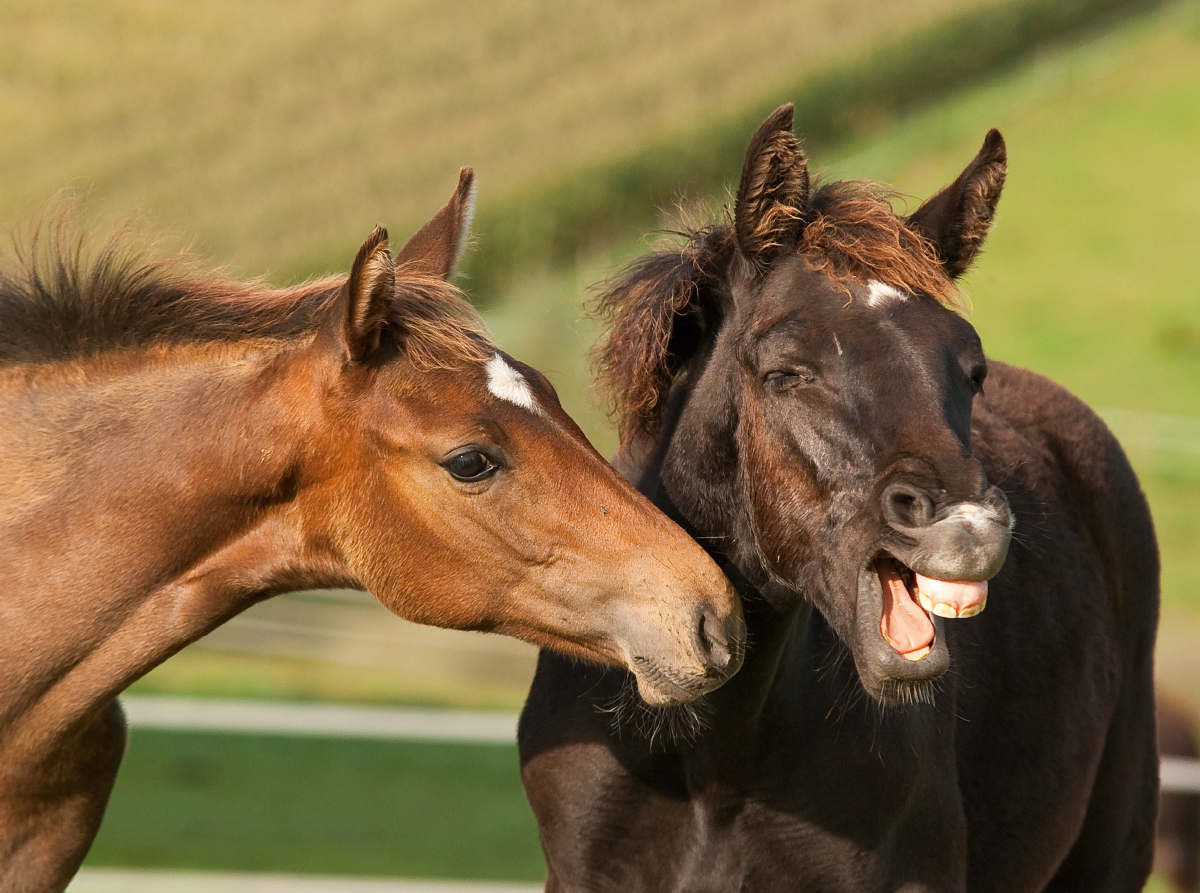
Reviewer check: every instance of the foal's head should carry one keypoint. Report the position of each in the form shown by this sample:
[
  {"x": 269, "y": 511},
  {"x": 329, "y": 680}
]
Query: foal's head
[
  {"x": 451, "y": 482},
  {"x": 810, "y": 388}
]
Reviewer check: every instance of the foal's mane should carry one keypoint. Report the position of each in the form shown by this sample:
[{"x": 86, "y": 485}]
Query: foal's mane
[
  {"x": 60, "y": 300},
  {"x": 664, "y": 301}
]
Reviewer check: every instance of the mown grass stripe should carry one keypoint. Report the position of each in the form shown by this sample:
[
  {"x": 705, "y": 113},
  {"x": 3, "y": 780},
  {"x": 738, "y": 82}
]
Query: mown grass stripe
[
  {"x": 602, "y": 203},
  {"x": 105, "y": 880}
]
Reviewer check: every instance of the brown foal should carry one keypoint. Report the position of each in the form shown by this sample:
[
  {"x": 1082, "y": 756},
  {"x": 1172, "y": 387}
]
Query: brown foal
[{"x": 175, "y": 447}]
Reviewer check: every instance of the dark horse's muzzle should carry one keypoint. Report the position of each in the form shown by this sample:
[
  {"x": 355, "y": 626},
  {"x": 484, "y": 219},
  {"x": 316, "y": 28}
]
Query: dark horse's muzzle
[
  {"x": 962, "y": 541},
  {"x": 934, "y": 564}
]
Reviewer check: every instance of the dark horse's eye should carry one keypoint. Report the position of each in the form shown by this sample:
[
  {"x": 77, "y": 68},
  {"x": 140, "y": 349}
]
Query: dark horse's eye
[
  {"x": 470, "y": 465},
  {"x": 977, "y": 374},
  {"x": 785, "y": 381}
]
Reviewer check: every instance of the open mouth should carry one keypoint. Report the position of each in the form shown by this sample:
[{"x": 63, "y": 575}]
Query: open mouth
[{"x": 908, "y": 600}]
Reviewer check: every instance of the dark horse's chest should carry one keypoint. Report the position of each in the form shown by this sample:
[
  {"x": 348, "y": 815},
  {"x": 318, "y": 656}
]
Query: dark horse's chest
[{"x": 799, "y": 801}]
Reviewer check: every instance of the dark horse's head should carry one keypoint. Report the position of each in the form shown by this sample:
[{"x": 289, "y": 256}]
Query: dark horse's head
[{"x": 804, "y": 383}]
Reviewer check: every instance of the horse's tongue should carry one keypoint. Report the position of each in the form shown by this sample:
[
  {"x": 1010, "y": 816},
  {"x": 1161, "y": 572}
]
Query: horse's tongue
[
  {"x": 905, "y": 626},
  {"x": 951, "y": 599}
]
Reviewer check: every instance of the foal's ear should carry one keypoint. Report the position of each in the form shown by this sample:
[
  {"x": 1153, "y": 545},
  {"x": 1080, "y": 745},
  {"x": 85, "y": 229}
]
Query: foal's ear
[
  {"x": 369, "y": 293},
  {"x": 436, "y": 247},
  {"x": 958, "y": 218},
  {"x": 773, "y": 190}
]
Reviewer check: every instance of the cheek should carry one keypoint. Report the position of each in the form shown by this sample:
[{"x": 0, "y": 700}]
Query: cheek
[{"x": 784, "y": 500}]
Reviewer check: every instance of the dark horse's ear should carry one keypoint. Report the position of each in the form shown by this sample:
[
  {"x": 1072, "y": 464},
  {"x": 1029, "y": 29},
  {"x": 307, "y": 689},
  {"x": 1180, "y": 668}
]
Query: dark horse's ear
[
  {"x": 958, "y": 218},
  {"x": 773, "y": 191},
  {"x": 436, "y": 247},
  {"x": 368, "y": 297},
  {"x": 661, "y": 309}
]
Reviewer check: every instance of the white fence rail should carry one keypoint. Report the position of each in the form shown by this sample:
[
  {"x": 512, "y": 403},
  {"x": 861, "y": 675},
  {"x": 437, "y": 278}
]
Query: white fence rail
[
  {"x": 1179, "y": 775},
  {"x": 1154, "y": 430},
  {"x": 327, "y": 720}
]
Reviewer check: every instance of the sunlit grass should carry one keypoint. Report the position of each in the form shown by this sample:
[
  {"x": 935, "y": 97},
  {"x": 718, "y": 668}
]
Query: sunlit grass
[
  {"x": 277, "y": 133},
  {"x": 204, "y": 672}
]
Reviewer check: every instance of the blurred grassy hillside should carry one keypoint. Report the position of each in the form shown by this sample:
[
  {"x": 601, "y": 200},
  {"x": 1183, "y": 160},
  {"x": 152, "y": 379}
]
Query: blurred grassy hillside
[{"x": 277, "y": 133}]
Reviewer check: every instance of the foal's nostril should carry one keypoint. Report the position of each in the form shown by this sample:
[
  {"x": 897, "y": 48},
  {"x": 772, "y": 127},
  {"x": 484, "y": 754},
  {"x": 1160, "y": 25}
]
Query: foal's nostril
[
  {"x": 712, "y": 640},
  {"x": 906, "y": 506}
]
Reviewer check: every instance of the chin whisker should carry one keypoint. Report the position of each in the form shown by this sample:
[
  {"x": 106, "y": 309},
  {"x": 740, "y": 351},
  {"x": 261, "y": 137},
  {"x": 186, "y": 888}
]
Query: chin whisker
[
  {"x": 659, "y": 727},
  {"x": 904, "y": 693}
]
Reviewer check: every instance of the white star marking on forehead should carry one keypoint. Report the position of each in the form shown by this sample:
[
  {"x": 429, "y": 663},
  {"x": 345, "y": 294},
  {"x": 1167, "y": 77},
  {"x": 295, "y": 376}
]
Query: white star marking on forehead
[
  {"x": 508, "y": 384},
  {"x": 878, "y": 293}
]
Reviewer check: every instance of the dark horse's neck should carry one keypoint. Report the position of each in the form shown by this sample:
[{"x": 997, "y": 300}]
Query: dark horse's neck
[
  {"x": 779, "y": 638},
  {"x": 797, "y": 672},
  {"x": 798, "y": 684}
]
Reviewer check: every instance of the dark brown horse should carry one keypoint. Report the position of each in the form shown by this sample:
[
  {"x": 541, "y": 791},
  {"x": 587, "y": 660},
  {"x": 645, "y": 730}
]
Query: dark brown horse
[
  {"x": 174, "y": 448},
  {"x": 796, "y": 388},
  {"x": 1177, "y": 835}
]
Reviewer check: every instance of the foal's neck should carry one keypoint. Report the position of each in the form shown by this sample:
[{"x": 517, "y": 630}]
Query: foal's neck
[
  {"x": 217, "y": 423},
  {"x": 152, "y": 501}
]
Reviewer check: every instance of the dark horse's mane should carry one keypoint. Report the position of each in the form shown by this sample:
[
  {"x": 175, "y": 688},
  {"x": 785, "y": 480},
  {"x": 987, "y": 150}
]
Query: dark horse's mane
[
  {"x": 663, "y": 302},
  {"x": 59, "y": 302}
]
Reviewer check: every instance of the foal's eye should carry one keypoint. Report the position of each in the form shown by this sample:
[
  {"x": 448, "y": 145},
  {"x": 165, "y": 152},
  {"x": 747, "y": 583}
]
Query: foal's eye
[{"x": 470, "y": 465}]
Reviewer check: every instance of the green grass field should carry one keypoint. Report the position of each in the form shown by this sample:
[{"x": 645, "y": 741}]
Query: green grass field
[{"x": 320, "y": 805}]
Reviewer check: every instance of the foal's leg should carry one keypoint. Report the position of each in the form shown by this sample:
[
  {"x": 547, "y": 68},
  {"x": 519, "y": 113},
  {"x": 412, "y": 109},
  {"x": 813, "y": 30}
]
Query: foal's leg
[{"x": 50, "y": 813}]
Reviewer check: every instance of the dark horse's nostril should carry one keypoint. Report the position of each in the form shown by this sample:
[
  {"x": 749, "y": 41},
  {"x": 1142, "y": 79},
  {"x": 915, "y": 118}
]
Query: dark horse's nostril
[
  {"x": 712, "y": 640},
  {"x": 906, "y": 506}
]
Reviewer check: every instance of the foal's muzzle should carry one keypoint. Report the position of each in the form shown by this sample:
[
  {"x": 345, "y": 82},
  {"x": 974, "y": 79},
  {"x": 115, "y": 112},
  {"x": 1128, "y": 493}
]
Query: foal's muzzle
[{"x": 719, "y": 642}]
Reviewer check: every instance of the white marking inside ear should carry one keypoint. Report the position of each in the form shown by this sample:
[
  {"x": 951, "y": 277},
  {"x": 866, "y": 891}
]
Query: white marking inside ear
[
  {"x": 464, "y": 230},
  {"x": 508, "y": 384},
  {"x": 879, "y": 292}
]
